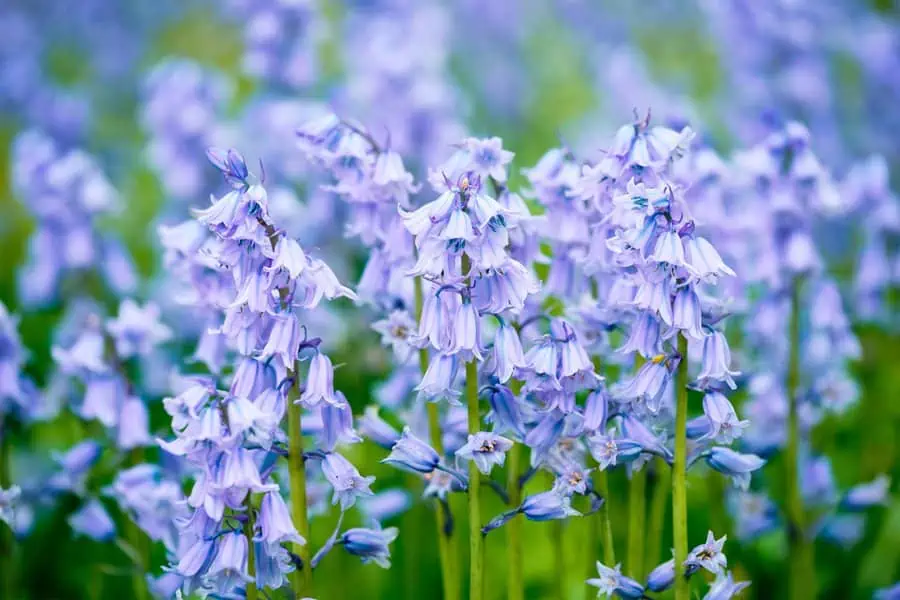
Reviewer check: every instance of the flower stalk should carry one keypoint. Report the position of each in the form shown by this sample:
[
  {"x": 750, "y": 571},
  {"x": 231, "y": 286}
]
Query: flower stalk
[
  {"x": 637, "y": 516},
  {"x": 302, "y": 580},
  {"x": 679, "y": 474}
]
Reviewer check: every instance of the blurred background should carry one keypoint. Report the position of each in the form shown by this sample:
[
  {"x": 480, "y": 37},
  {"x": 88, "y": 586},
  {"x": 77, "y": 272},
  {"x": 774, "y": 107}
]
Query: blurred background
[{"x": 144, "y": 87}]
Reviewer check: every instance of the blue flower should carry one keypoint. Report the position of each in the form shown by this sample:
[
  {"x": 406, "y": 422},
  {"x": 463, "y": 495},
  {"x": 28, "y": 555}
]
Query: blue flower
[
  {"x": 371, "y": 545},
  {"x": 486, "y": 449},
  {"x": 611, "y": 583},
  {"x": 734, "y": 464},
  {"x": 412, "y": 454}
]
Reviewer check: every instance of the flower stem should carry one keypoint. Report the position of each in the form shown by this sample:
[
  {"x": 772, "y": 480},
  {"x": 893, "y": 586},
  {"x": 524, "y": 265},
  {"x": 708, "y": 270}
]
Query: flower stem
[
  {"x": 476, "y": 541},
  {"x": 658, "y": 504},
  {"x": 679, "y": 473},
  {"x": 251, "y": 558},
  {"x": 637, "y": 516},
  {"x": 302, "y": 580},
  {"x": 515, "y": 582},
  {"x": 446, "y": 543},
  {"x": 559, "y": 558},
  {"x": 609, "y": 550},
  {"x": 802, "y": 560}
]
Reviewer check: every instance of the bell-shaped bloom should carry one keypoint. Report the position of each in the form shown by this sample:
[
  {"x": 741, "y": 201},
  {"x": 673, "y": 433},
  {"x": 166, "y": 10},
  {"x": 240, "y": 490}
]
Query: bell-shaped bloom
[
  {"x": 867, "y": 495},
  {"x": 716, "y": 365},
  {"x": 736, "y": 465},
  {"x": 274, "y": 522},
  {"x": 412, "y": 454},
  {"x": 505, "y": 414},
  {"x": 229, "y": 566},
  {"x": 284, "y": 340},
  {"x": 103, "y": 396},
  {"x": 686, "y": 315},
  {"x": 703, "y": 260},
  {"x": 669, "y": 249},
  {"x": 725, "y": 588},
  {"x": 134, "y": 425},
  {"x": 548, "y": 506},
  {"x": 644, "y": 336},
  {"x": 544, "y": 436},
  {"x": 708, "y": 555},
  {"x": 439, "y": 377},
  {"x": 346, "y": 481},
  {"x": 486, "y": 449},
  {"x": 662, "y": 577},
  {"x": 376, "y": 429},
  {"x": 289, "y": 256},
  {"x": 596, "y": 410},
  {"x": 610, "y": 451},
  {"x": 508, "y": 355},
  {"x": 466, "y": 332},
  {"x": 337, "y": 424},
  {"x": 724, "y": 425},
  {"x": 370, "y": 545},
  {"x": 611, "y": 583},
  {"x": 93, "y": 521},
  {"x": 137, "y": 330},
  {"x": 319, "y": 382}
]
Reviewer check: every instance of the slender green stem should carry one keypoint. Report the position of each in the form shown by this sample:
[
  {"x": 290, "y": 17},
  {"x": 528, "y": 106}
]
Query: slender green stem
[
  {"x": 657, "y": 519},
  {"x": 7, "y": 539},
  {"x": 609, "y": 550},
  {"x": 446, "y": 545},
  {"x": 302, "y": 579},
  {"x": 476, "y": 541},
  {"x": 637, "y": 516},
  {"x": 802, "y": 559},
  {"x": 515, "y": 582},
  {"x": 679, "y": 474},
  {"x": 557, "y": 545},
  {"x": 251, "y": 557}
]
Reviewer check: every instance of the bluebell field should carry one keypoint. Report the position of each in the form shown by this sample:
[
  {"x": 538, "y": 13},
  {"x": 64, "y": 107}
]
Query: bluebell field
[{"x": 382, "y": 299}]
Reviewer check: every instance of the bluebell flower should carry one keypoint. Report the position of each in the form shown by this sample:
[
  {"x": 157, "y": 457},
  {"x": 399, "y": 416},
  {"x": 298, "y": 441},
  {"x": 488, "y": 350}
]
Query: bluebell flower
[
  {"x": 596, "y": 410},
  {"x": 412, "y": 454},
  {"x": 708, "y": 555},
  {"x": 274, "y": 523},
  {"x": 337, "y": 424},
  {"x": 385, "y": 504},
  {"x": 137, "y": 330},
  {"x": 439, "y": 378},
  {"x": 371, "y": 545},
  {"x": 486, "y": 450},
  {"x": 346, "y": 481},
  {"x": 734, "y": 464},
  {"x": 843, "y": 530},
  {"x": 396, "y": 331},
  {"x": 703, "y": 260},
  {"x": 611, "y": 583},
  {"x": 134, "y": 425},
  {"x": 319, "y": 382},
  {"x": 93, "y": 521},
  {"x": 644, "y": 336},
  {"x": 888, "y": 593},
  {"x": 725, "y": 588},
  {"x": 754, "y": 514},
  {"x": 716, "y": 365},
  {"x": 376, "y": 429},
  {"x": 724, "y": 425},
  {"x": 867, "y": 495},
  {"x": 609, "y": 451},
  {"x": 547, "y": 506},
  {"x": 506, "y": 414},
  {"x": 103, "y": 397},
  {"x": 544, "y": 436},
  {"x": 272, "y": 563},
  {"x": 228, "y": 568},
  {"x": 686, "y": 315},
  {"x": 508, "y": 355},
  {"x": 662, "y": 577}
]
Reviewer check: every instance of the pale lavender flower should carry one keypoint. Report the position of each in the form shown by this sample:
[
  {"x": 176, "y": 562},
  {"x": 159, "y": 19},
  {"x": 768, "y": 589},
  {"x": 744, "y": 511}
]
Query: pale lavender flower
[
  {"x": 92, "y": 521},
  {"x": 371, "y": 545},
  {"x": 708, "y": 555},
  {"x": 611, "y": 582},
  {"x": 412, "y": 454},
  {"x": 346, "y": 481},
  {"x": 486, "y": 449}
]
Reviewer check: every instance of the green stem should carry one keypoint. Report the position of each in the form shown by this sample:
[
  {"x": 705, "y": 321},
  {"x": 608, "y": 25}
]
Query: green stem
[
  {"x": 609, "y": 550},
  {"x": 476, "y": 541},
  {"x": 7, "y": 539},
  {"x": 679, "y": 474},
  {"x": 559, "y": 558},
  {"x": 637, "y": 516},
  {"x": 658, "y": 505},
  {"x": 251, "y": 557},
  {"x": 515, "y": 582},
  {"x": 302, "y": 579},
  {"x": 446, "y": 543},
  {"x": 802, "y": 560}
]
